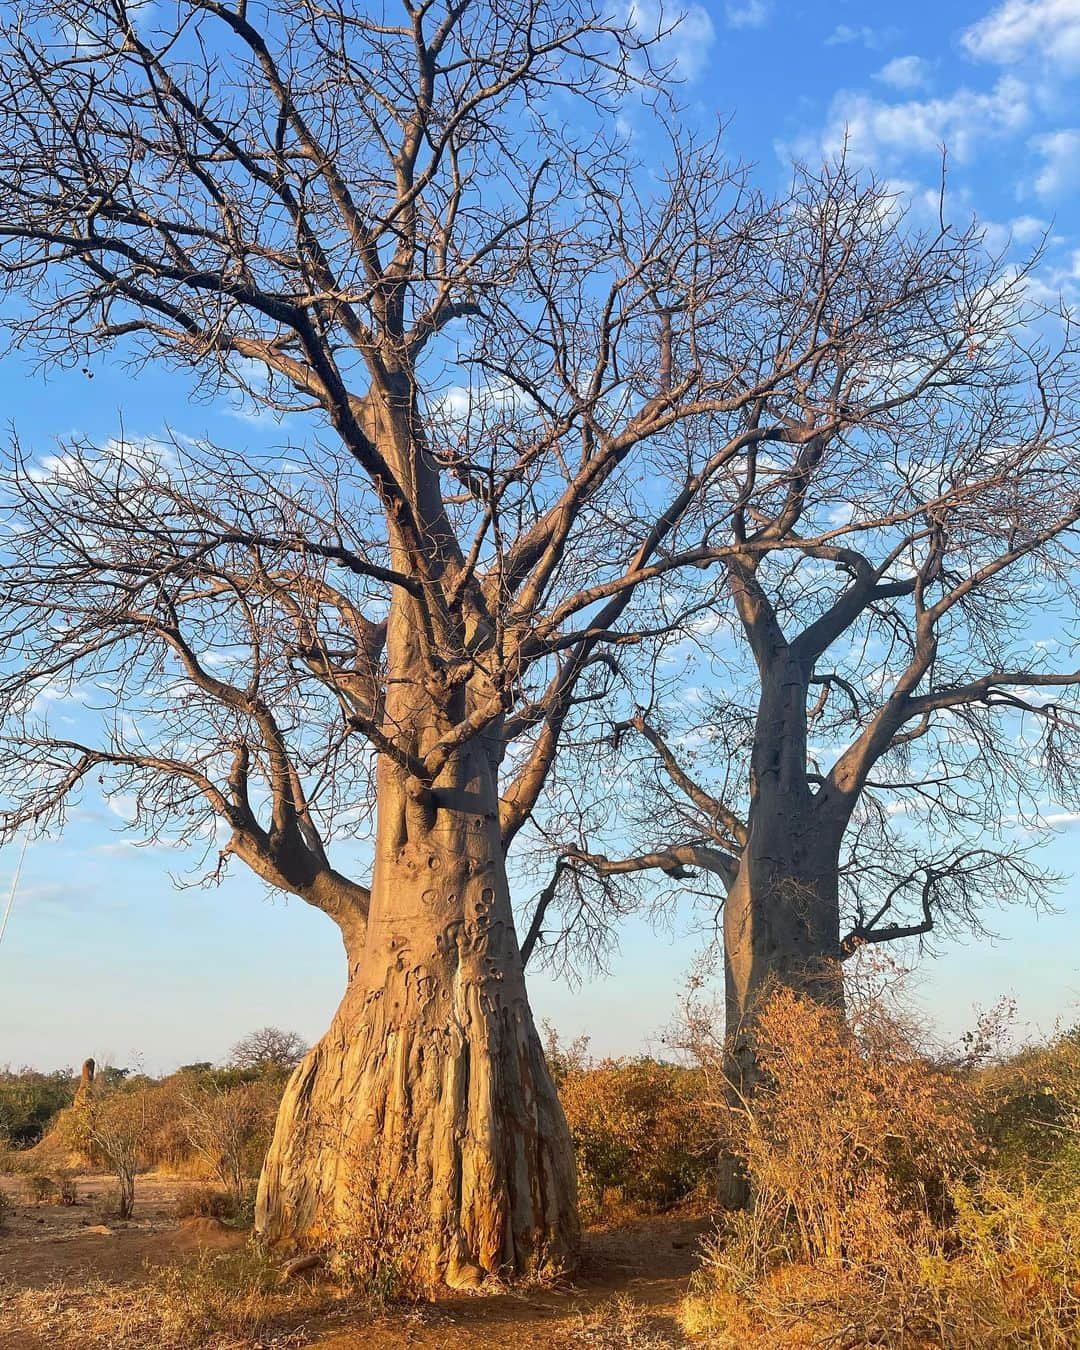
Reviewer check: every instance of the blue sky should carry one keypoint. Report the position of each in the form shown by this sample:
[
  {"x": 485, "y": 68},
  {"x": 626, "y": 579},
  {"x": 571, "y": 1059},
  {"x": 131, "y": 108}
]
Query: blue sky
[{"x": 105, "y": 956}]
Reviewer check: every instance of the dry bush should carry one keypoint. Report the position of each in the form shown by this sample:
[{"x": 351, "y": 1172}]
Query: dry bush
[
  {"x": 119, "y": 1126},
  {"x": 204, "y": 1202},
  {"x": 381, "y": 1236},
  {"x": 851, "y": 1142},
  {"x": 230, "y": 1129},
  {"x": 67, "y": 1187},
  {"x": 39, "y": 1188},
  {"x": 1004, "y": 1275},
  {"x": 639, "y": 1128},
  {"x": 876, "y": 1217}
]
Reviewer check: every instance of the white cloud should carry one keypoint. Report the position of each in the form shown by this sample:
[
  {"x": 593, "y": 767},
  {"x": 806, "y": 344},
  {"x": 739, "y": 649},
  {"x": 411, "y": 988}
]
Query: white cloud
[
  {"x": 748, "y": 13},
  {"x": 1061, "y": 818},
  {"x": 905, "y": 72},
  {"x": 1060, "y": 151},
  {"x": 1051, "y": 821},
  {"x": 1048, "y": 30},
  {"x": 1020, "y": 230},
  {"x": 879, "y": 132},
  {"x": 685, "y": 38},
  {"x": 844, "y": 34}
]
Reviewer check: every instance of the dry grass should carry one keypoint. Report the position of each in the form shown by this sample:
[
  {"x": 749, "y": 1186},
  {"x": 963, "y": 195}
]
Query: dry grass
[
  {"x": 222, "y": 1301},
  {"x": 621, "y": 1324}
]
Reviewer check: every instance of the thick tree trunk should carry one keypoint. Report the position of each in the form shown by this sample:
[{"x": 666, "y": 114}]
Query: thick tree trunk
[
  {"x": 430, "y": 1088},
  {"x": 782, "y": 912},
  {"x": 429, "y": 1095},
  {"x": 781, "y": 930}
]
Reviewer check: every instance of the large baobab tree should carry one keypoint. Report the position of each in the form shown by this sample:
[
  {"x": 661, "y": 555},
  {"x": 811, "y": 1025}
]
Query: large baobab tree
[
  {"x": 504, "y": 341},
  {"x": 889, "y": 682}
]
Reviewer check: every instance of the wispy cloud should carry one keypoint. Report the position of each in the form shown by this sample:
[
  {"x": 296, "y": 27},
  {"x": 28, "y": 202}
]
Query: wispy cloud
[
  {"x": 861, "y": 35},
  {"x": 683, "y": 40},
  {"x": 1060, "y": 153},
  {"x": 905, "y": 72},
  {"x": 1021, "y": 30},
  {"x": 748, "y": 13}
]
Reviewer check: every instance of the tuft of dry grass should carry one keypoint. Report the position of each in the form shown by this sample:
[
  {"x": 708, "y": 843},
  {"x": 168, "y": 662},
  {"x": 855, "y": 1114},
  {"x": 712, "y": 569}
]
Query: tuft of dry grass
[{"x": 620, "y": 1323}]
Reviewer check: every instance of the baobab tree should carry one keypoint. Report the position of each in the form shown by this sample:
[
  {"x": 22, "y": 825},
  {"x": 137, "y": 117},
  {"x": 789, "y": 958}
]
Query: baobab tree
[
  {"x": 330, "y": 211},
  {"x": 890, "y": 682}
]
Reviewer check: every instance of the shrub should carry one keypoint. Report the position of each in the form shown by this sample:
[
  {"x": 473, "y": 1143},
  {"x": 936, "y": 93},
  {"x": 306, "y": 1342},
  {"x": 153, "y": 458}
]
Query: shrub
[
  {"x": 1030, "y": 1113},
  {"x": 204, "y": 1202},
  {"x": 877, "y": 1218},
  {"x": 39, "y": 1187},
  {"x": 851, "y": 1141},
  {"x": 119, "y": 1125},
  {"x": 67, "y": 1188},
  {"x": 5, "y": 1208},
  {"x": 638, "y": 1130},
  {"x": 30, "y": 1101},
  {"x": 230, "y": 1128},
  {"x": 380, "y": 1236}
]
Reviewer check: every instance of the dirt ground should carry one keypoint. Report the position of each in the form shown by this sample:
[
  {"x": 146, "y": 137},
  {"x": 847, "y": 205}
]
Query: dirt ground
[{"x": 647, "y": 1262}]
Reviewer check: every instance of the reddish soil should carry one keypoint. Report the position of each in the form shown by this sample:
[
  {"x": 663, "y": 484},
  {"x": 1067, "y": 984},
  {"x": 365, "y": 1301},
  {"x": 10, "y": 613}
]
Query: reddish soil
[
  {"x": 649, "y": 1261},
  {"x": 41, "y": 1244},
  {"x": 646, "y": 1261}
]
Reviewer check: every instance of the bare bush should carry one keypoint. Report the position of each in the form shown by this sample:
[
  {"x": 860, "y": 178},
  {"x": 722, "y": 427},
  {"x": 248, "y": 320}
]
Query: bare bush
[
  {"x": 229, "y": 1128},
  {"x": 120, "y": 1125}
]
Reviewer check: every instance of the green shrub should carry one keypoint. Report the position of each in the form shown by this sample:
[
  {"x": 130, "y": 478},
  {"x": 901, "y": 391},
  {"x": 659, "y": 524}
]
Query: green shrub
[
  {"x": 1031, "y": 1115},
  {"x": 30, "y": 1101}
]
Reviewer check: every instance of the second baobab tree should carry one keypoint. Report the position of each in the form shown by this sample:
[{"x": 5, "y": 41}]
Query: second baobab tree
[{"x": 886, "y": 680}]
